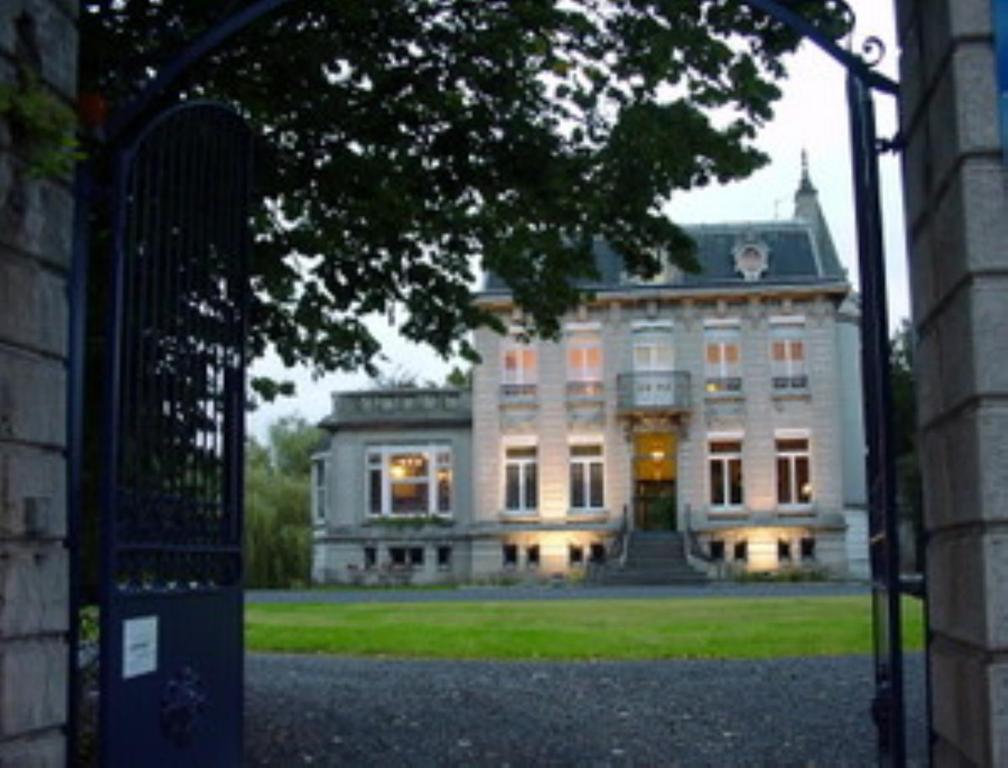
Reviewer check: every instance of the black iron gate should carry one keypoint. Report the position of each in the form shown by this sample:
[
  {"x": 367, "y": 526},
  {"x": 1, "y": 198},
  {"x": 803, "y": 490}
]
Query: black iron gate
[{"x": 171, "y": 594}]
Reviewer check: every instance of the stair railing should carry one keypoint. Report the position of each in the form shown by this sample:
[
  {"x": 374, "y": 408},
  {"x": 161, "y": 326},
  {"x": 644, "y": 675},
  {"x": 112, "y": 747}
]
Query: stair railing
[
  {"x": 693, "y": 548},
  {"x": 618, "y": 550}
]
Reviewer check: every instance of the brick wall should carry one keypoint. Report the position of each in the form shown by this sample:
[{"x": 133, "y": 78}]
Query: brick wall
[
  {"x": 35, "y": 236},
  {"x": 956, "y": 205}
]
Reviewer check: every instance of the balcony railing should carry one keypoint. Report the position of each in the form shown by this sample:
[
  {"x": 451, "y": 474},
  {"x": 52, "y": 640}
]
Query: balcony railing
[
  {"x": 518, "y": 393},
  {"x": 653, "y": 391},
  {"x": 794, "y": 383},
  {"x": 434, "y": 405},
  {"x": 585, "y": 390},
  {"x": 723, "y": 385}
]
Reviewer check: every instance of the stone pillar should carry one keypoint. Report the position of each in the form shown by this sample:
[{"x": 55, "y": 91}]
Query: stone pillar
[
  {"x": 957, "y": 216},
  {"x": 35, "y": 242}
]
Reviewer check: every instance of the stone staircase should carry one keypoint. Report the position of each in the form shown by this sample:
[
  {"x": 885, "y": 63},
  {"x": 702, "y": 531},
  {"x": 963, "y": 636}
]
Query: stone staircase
[{"x": 652, "y": 558}]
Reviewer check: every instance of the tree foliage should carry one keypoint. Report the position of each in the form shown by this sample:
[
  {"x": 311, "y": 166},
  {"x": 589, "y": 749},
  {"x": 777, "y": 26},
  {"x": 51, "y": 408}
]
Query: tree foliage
[
  {"x": 407, "y": 144},
  {"x": 909, "y": 487},
  {"x": 278, "y": 505},
  {"x": 901, "y": 376}
]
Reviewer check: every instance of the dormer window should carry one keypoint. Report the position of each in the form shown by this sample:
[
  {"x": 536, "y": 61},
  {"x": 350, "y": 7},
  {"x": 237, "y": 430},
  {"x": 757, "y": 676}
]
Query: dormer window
[{"x": 752, "y": 259}]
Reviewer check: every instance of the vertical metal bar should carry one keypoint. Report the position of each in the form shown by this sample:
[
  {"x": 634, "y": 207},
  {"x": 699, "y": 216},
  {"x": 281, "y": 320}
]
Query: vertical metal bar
[
  {"x": 878, "y": 401},
  {"x": 84, "y": 190},
  {"x": 111, "y": 449},
  {"x": 187, "y": 331}
]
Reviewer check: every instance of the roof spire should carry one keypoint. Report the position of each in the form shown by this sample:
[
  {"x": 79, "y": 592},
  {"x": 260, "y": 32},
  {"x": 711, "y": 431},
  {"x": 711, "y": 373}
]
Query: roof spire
[{"x": 806, "y": 185}]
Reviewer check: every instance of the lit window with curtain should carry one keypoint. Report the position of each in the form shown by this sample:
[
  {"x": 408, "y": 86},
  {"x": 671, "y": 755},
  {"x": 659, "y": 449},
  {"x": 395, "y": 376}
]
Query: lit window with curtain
[
  {"x": 409, "y": 480},
  {"x": 584, "y": 363},
  {"x": 794, "y": 477},
  {"x": 723, "y": 359},
  {"x": 787, "y": 356},
  {"x": 520, "y": 370}
]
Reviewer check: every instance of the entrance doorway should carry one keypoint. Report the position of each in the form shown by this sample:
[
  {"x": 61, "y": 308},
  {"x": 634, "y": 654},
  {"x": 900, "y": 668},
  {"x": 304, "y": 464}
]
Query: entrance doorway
[{"x": 655, "y": 478}]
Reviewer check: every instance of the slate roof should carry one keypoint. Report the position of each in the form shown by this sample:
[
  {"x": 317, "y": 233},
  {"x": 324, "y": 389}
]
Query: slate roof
[{"x": 796, "y": 256}]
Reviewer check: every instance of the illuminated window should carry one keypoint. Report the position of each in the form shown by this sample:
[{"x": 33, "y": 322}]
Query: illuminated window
[
  {"x": 725, "y": 466},
  {"x": 520, "y": 371},
  {"x": 587, "y": 484},
  {"x": 787, "y": 358},
  {"x": 521, "y": 486},
  {"x": 794, "y": 483},
  {"x": 584, "y": 364},
  {"x": 723, "y": 360},
  {"x": 409, "y": 480}
]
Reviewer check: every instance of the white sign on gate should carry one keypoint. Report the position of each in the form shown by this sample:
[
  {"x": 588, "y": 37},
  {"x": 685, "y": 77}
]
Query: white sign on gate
[{"x": 139, "y": 646}]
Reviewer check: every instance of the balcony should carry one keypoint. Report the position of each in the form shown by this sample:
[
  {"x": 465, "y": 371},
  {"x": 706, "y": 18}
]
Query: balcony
[{"x": 653, "y": 392}]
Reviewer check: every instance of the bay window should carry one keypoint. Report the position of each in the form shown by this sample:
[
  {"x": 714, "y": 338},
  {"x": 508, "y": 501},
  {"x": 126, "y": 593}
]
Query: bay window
[{"x": 409, "y": 480}]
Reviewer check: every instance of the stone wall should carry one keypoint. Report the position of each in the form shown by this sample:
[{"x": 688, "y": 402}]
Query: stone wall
[
  {"x": 35, "y": 239},
  {"x": 957, "y": 216}
]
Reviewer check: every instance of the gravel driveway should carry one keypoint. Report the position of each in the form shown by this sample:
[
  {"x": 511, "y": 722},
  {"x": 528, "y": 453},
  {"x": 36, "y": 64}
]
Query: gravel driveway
[{"x": 323, "y": 711}]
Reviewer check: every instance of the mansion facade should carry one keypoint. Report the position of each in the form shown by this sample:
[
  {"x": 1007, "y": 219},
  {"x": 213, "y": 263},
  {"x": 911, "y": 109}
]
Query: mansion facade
[{"x": 724, "y": 405}]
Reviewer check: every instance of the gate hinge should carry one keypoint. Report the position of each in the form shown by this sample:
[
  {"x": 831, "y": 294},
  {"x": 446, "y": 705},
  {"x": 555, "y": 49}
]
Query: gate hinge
[{"x": 896, "y": 144}]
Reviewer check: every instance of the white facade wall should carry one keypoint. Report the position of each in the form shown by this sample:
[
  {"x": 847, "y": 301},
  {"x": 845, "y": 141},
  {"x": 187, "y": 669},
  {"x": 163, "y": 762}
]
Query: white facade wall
[
  {"x": 757, "y": 412},
  {"x": 346, "y": 529}
]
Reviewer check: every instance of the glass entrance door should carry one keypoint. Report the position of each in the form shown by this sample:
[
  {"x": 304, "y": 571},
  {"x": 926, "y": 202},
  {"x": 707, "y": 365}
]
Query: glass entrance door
[{"x": 655, "y": 476}]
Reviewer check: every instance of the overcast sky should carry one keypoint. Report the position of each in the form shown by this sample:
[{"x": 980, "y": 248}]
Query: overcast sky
[{"x": 812, "y": 115}]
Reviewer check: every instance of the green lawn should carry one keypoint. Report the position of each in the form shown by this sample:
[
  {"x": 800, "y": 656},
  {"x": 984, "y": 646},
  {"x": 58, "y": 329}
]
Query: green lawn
[{"x": 576, "y": 629}]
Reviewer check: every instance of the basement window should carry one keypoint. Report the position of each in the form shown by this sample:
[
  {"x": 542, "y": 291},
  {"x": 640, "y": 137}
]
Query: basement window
[
  {"x": 808, "y": 548},
  {"x": 717, "y": 551},
  {"x": 510, "y": 555},
  {"x": 444, "y": 558},
  {"x": 783, "y": 551},
  {"x": 416, "y": 557},
  {"x": 597, "y": 553},
  {"x": 575, "y": 555},
  {"x": 741, "y": 551},
  {"x": 370, "y": 557},
  {"x": 532, "y": 556},
  {"x": 397, "y": 555}
]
